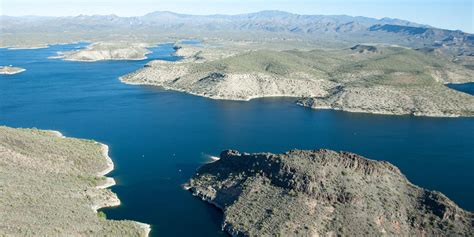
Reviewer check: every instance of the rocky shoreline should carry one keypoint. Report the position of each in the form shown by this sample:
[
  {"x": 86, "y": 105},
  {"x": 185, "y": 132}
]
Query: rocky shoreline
[
  {"x": 387, "y": 80},
  {"x": 437, "y": 101},
  {"x": 8, "y": 70},
  {"x": 106, "y": 51},
  {"x": 323, "y": 192},
  {"x": 63, "y": 181}
]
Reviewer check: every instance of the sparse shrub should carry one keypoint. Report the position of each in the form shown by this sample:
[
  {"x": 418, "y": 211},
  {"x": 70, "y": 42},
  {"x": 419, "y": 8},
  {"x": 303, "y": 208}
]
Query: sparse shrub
[{"x": 102, "y": 216}]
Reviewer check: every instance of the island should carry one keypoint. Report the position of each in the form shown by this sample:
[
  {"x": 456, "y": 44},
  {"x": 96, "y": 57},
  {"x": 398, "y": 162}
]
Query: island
[
  {"x": 53, "y": 186},
  {"x": 379, "y": 79},
  {"x": 9, "y": 70},
  {"x": 107, "y": 51},
  {"x": 323, "y": 193}
]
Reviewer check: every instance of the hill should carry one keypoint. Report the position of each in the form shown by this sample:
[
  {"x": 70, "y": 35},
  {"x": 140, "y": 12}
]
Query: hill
[
  {"x": 323, "y": 193},
  {"x": 364, "y": 78}
]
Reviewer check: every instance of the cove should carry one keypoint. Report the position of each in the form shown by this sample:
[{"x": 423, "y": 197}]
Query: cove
[
  {"x": 463, "y": 87},
  {"x": 159, "y": 138}
]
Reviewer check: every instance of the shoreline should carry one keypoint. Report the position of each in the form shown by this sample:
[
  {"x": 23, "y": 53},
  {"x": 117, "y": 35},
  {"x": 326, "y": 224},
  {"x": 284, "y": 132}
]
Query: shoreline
[
  {"x": 109, "y": 182},
  {"x": 246, "y": 99},
  {"x": 98, "y": 60},
  {"x": 384, "y": 113},
  {"x": 249, "y": 206},
  {"x": 110, "y": 163},
  {"x": 41, "y": 46},
  {"x": 26, "y": 48},
  {"x": 297, "y": 103},
  {"x": 56, "y": 133},
  {"x": 14, "y": 72},
  {"x": 90, "y": 49}
]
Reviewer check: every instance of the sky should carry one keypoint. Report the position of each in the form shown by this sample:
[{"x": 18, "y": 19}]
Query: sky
[{"x": 447, "y": 14}]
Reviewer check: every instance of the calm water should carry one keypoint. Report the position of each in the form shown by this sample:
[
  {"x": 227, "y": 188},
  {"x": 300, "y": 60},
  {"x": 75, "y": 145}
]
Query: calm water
[
  {"x": 158, "y": 138},
  {"x": 465, "y": 87}
]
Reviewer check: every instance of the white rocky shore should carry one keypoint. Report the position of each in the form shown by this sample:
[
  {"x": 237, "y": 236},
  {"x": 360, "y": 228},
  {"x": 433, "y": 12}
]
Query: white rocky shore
[
  {"x": 107, "y": 51},
  {"x": 54, "y": 186},
  {"x": 385, "y": 80},
  {"x": 9, "y": 70}
]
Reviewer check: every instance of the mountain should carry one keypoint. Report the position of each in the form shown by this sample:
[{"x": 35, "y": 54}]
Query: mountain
[
  {"x": 272, "y": 21},
  {"x": 18, "y": 31}
]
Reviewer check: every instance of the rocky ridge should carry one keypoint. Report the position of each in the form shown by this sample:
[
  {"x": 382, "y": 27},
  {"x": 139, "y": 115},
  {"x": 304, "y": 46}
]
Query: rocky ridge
[{"x": 323, "y": 192}]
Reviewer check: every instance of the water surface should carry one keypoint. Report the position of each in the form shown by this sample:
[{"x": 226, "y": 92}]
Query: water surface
[
  {"x": 158, "y": 138},
  {"x": 463, "y": 87}
]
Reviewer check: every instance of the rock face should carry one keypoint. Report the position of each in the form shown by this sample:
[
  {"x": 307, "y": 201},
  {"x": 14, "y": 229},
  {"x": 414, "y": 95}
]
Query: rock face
[
  {"x": 365, "y": 78},
  {"x": 52, "y": 186},
  {"x": 107, "y": 51},
  {"x": 7, "y": 70},
  {"x": 319, "y": 193}
]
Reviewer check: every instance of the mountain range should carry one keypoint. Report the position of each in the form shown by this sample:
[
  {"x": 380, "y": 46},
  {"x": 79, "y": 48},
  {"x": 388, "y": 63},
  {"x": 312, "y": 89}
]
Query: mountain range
[{"x": 260, "y": 25}]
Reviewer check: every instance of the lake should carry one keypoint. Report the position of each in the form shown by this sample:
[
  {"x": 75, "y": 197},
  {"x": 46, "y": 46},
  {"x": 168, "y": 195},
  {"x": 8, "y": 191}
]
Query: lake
[
  {"x": 463, "y": 87},
  {"x": 158, "y": 138}
]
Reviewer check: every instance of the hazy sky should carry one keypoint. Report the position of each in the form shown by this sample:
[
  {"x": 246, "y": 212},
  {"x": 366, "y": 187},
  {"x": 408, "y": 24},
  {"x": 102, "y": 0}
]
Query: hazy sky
[{"x": 449, "y": 14}]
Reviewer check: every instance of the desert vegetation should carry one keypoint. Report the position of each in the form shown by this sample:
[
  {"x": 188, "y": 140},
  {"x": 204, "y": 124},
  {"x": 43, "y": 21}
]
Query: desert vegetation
[
  {"x": 51, "y": 186},
  {"x": 309, "y": 193},
  {"x": 364, "y": 78}
]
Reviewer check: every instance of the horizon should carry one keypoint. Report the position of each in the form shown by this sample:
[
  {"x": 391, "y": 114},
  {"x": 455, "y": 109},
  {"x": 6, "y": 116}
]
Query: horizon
[{"x": 452, "y": 15}]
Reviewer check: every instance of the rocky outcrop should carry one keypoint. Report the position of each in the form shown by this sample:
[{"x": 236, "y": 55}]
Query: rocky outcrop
[
  {"x": 8, "y": 70},
  {"x": 320, "y": 193},
  {"x": 51, "y": 185}
]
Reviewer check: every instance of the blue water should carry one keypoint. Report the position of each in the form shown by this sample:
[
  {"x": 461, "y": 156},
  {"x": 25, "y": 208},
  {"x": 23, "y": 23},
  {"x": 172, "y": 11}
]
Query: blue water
[
  {"x": 158, "y": 138},
  {"x": 464, "y": 87},
  {"x": 191, "y": 41}
]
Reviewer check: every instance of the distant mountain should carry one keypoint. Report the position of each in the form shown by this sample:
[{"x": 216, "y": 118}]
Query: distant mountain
[
  {"x": 333, "y": 28},
  {"x": 448, "y": 42},
  {"x": 272, "y": 21}
]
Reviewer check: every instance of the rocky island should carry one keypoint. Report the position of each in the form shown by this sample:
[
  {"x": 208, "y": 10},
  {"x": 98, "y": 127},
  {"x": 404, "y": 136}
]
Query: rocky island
[
  {"x": 53, "y": 186},
  {"x": 379, "y": 79},
  {"x": 323, "y": 193},
  {"x": 107, "y": 51},
  {"x": 9, "y": 70}
]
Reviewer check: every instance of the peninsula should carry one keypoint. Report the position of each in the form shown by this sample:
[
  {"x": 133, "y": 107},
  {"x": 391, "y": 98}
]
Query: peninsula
[
  {"x": 323, "y": 193},
  {"x": 53, "y": 186},
  {"x": 380, "y": 79}
]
